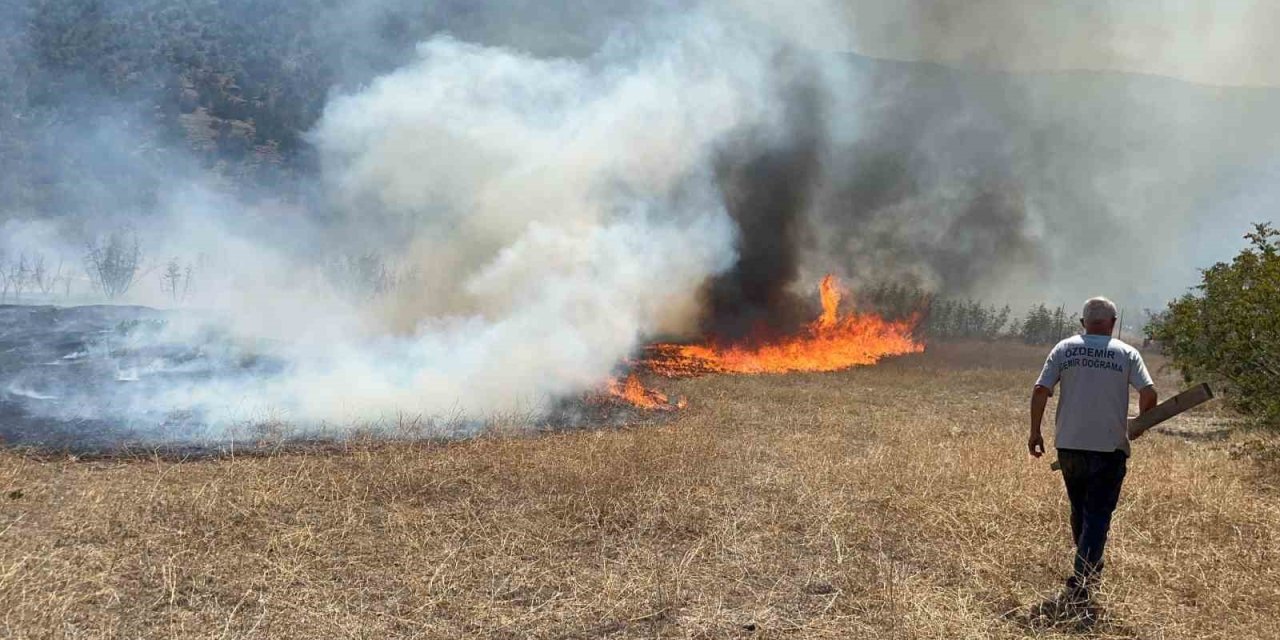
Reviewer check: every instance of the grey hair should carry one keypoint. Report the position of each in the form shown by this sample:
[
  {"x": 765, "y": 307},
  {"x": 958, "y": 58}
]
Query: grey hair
[{"x": 1098, "y": 310}]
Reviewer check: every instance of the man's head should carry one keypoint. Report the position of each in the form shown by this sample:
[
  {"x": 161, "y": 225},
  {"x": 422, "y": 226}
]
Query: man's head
[{"x": 1098, "y": 316}]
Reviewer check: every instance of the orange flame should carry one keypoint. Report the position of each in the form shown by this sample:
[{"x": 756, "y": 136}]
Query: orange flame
[
  {"x": 831, "y": 342},
  {"x": 830, "y": 292},
  {"x": 633, "y": 392}
]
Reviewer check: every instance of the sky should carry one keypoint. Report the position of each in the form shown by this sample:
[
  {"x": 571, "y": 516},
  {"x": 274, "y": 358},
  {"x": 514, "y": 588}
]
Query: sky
[{"x": 1223, "y": 42}]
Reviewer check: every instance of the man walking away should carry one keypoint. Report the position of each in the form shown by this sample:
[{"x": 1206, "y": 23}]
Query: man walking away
[{"x": 1095, "y": 371}]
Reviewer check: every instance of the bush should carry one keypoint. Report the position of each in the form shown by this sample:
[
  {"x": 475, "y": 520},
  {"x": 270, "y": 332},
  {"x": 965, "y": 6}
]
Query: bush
[
  {"x": 936, "y": 318},
  {"x": 112, "y": 263},
  {"x": 1227, "y": 331},
  {"x": 1047, "y": 326},
  {"x": 965, "y": 320},
  {"x": 944, "y": 319},
  {"x": 176, "y": 281},
  {"x": 365, "y": 276}
]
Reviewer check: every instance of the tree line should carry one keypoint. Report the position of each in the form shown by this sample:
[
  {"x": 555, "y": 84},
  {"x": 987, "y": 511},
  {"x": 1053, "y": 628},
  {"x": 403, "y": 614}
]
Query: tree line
[
  {"x": 945, "y": 319},
  {"x": 114, "y": 263}
]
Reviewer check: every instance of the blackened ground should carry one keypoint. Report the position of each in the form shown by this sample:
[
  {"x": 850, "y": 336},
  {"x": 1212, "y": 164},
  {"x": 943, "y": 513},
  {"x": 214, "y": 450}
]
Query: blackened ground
[
  {"x": 123, "y": 380},
  {"x": 84, "y": 378}
]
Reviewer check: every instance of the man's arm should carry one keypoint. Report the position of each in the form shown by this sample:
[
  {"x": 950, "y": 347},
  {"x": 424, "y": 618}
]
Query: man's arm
[
  {"x": 1140, "y": 379},
  {"x": 1147, "y": 400},
  {"x": 1039, "y": 398}
]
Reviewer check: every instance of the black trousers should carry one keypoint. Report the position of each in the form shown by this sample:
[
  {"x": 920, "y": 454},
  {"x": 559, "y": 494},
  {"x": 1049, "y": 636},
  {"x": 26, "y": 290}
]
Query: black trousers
[{"x": 1093, "y": 480}]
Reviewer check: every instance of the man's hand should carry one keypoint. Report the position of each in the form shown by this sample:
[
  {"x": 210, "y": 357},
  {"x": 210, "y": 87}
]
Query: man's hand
[
  {"x": 1039, "y": 398},
  {"x": 1035, "y": 444}
]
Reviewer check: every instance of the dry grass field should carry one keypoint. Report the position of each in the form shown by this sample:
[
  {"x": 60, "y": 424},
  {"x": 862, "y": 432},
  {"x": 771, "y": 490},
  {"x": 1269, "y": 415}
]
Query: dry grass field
[{"x": 894, "y": 501}]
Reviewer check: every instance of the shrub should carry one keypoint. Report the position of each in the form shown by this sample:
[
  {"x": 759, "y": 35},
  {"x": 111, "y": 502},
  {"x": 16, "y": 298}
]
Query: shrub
[
  {"x": 112, "y": 263},
  {"x": 175, "y": 280},
  {"x": 1227, "y": 330},
  {"x": 44, "y": 279},
  {"x": 366, "y": 276},
  {"x": 16, "y": 276},
  {"x": 938, "y": 318},
  {"x": 965, "y": 320},
  {"x": 1047, "y": 326}
]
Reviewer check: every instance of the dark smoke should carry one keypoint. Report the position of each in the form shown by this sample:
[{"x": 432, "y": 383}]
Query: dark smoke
[
  {"x": 930, "y": 193},
  {"x": 767, "y": 184},
  {"x": 926, "y": 194},
  {"x": 1000, "y": 186}
]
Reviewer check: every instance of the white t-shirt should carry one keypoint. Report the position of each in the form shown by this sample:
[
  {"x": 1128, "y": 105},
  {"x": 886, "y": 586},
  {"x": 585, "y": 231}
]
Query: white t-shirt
[{"x": 1093, "y": 405}]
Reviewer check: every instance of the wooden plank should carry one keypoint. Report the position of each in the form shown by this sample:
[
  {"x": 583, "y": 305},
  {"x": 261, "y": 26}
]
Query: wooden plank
[{"x": 1193, "y": 397}]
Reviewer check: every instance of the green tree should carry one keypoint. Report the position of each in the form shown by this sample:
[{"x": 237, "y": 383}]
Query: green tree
[{"x": 1229, "y": 329}]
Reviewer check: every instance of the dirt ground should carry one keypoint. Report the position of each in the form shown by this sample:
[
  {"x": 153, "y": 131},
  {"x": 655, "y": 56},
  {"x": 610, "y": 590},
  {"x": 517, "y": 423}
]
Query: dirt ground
[{"x": 894, "y": 501}]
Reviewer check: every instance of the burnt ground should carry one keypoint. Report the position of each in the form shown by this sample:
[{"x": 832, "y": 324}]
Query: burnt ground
[
  {"x": 110, "y": 380},
  {"x": 86, "y": 378}
]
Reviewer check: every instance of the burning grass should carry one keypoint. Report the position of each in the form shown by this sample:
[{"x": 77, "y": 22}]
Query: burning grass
[
  {"x": 889, "y": 501},
  {"x": 833, "y": 341},
  {"x": 633, "y": 392}
]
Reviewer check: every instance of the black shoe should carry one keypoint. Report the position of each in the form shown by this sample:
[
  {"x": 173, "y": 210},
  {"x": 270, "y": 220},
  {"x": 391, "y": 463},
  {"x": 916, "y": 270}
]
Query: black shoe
[
  {"x": 1044, "y": 614},
  {"x": 1077, "y": 598},
  {"x": 1053, "y": 610},
  {"x": 1072, "y": 605},
  {"x": 1078, "y": 606},
  {"x": 1084, "y": 616}
]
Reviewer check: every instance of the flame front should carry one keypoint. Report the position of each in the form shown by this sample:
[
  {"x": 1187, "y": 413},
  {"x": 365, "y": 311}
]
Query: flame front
[
  {"x": 831, "y": 342},
  {"x": 830, "y": 292},
  {"x": 633, "y": 392}
]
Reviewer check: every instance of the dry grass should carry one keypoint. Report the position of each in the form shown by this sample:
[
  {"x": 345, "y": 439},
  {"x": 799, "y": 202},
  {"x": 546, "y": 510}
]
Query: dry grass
[{"x": 886, "y": 502}]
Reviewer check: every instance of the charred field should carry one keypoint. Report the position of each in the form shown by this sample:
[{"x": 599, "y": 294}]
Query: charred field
[
  {"x": 885, "y": 501},
  {"x": 118, "y": 382}
]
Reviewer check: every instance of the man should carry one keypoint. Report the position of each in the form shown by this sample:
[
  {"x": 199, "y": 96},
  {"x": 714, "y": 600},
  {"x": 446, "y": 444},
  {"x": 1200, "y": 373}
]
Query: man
[{"x": 1091, "y": 436}]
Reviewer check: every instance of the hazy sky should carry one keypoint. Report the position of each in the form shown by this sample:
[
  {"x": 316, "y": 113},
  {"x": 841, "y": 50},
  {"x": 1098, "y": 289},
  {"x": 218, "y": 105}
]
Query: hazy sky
[{"x": 1222, "y": 42}]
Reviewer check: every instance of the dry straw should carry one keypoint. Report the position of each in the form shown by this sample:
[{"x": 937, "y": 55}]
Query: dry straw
[{"x": 887, "y": 502}]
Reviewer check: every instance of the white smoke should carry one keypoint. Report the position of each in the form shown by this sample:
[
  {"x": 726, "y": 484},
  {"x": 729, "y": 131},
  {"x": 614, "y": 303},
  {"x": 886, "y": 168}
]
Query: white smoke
[
  {"x": 555, "y": 212},
  {"x": 558, "y": 211}
]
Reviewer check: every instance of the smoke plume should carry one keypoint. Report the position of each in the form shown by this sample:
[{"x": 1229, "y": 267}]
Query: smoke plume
[
  {"x": 473, "y": 208},
  {"x": 544, "y": 216}
]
